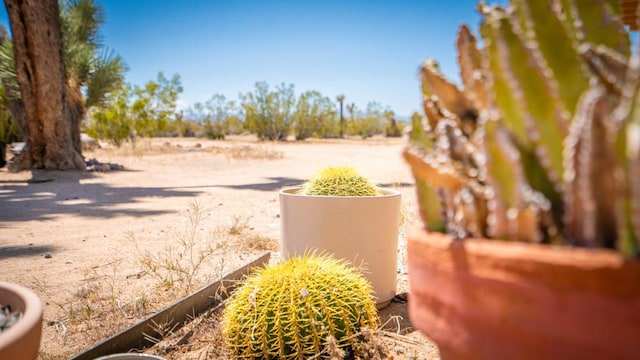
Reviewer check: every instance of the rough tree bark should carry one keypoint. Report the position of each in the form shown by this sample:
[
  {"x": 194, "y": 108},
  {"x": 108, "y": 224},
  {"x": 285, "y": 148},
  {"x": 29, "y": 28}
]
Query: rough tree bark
[{"x": 37, "y": 44}]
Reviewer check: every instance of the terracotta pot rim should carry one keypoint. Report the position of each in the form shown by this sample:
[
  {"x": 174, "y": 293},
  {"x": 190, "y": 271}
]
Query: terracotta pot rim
[
  {"x": 32, "y": 313},
  {"x": 514, "y": 249},
  {"x": 292, "y": 191},
  {"x": 519, "y": 260}
]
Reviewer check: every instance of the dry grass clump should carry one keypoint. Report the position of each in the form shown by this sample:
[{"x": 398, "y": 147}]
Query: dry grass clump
[
  {"x": 140, "y": 148},
  {"x": 202, "y": 339},
  {"x": 238, "y": 236},
  {"x": 108, "y": 301},
  {"x": 251, "y": 152},
  {"x": 152, "y": 147},
  {"x": 180, "y": 266},
  {"x": 238, "y": 226},
  {"x": 256, "y": 242},
  {"x": 191, "y": 259},
  {"x": 97, "y": 309}
]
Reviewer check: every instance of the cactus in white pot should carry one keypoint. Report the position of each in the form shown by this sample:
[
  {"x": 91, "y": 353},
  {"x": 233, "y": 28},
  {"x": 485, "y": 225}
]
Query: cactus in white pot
[{"x": 342, "y": 212}]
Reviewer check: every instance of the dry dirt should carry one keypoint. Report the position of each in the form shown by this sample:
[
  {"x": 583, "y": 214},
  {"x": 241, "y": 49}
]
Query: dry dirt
[{"x": 79, "y": 240}]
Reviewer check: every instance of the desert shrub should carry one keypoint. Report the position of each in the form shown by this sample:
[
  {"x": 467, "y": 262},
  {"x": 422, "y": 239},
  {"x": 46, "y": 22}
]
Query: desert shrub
[
  {"x": 365, "y": 127},
  {"x": 368, "y": 123},
  {"x": 267, "y": 113},
  {"x": 233, "y": 125},
  {"x": 393, "y": 128},
  {"x": 213, "y": 130},
  {"x": 114, "y": 122},
  {"x": 9, "y": 129},
  {"x": 132, "y": 111},
  {"x": 313, "y": 113}
]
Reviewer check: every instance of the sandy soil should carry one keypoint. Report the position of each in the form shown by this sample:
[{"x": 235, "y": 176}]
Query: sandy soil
[{"x": 63, "y": 233}]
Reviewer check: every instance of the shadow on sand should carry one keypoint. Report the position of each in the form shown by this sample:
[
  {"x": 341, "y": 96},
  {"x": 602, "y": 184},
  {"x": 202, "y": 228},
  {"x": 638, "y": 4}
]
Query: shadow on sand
[
  {"x": 273, "y": 184},
  {"x": 277, "y": 183},
  {"x": 7, "y": 252},
  {"x": 52, "y": 193}
]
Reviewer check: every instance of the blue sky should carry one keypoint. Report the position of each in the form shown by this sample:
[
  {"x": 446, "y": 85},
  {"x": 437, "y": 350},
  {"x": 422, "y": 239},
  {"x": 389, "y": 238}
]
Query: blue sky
[{"x": 366, "y": 50}]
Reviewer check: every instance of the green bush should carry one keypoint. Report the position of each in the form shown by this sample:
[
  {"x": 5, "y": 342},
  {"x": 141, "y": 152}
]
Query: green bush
[
  {"x": 314, "y": 114},
  {"x": 9, "y": 130},
  {"x": 269, "y": 114},
  {"x": 213, "y": 130}
]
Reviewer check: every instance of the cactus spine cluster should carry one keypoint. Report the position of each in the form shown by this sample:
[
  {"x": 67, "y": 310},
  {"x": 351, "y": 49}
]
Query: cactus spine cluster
[
  {"x": 297, "y": 309},
  {"x": 542, "y": 141},
  {"x": 340, "y": 181}
]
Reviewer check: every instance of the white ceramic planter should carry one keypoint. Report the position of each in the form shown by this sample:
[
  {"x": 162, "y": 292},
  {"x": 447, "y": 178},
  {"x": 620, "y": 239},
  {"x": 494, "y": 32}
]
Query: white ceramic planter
[{"x": 360, "y": 229}]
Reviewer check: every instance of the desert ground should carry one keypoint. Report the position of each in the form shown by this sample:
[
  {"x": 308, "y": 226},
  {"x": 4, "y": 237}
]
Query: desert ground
[{"x": 105, "y": 249}]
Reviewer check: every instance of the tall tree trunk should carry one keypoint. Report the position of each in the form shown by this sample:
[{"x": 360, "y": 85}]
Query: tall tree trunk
[
  {"x": 341, "y": 120},
  {"x": 37, "y": 44},
  {"x": 340, "y": 99}
]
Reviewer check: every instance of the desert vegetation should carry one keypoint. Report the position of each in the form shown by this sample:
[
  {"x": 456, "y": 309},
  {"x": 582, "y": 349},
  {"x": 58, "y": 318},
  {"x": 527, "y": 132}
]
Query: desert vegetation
[
  {"x": 100, "y": 102},
  {"x": 270, "y": 113}
]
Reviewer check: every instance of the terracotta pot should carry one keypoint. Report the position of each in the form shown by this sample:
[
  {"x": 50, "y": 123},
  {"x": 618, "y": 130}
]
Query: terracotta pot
[
  {"x": 22, "y": 339},
  {"x": 360, "y": 229},
  {"x": 490, "y": 299}
]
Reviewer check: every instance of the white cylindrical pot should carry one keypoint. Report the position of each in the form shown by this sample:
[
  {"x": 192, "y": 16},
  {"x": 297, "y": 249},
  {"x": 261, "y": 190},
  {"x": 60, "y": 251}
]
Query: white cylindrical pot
[{"x": 360, "y": 229}]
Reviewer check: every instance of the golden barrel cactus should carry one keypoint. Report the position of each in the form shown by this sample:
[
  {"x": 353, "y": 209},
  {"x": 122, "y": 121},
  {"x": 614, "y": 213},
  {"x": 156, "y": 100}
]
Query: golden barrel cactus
[{"x": 297, "y": 309}]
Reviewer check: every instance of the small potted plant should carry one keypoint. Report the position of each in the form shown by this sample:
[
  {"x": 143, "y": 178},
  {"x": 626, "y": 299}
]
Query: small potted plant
[
  {"x": 20, "y": 322},
  {"x": 343, "y": 213},
  {"x": 536, "y": 161}
]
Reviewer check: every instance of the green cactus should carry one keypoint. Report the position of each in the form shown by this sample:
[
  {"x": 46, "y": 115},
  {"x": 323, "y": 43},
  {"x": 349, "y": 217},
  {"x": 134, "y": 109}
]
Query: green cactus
[
  {"x": 340, "y": 181},
  {"x": 294, "y": 309},
  {"x": 541, "y": 143}
]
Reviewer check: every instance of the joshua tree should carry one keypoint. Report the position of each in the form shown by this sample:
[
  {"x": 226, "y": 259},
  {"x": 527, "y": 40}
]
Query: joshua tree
[
  {"x": 340, "y": 99},
  {"x": 392, "y": 129},
  {"x": 56, "y": 55},
  {"x": 351, "y": 108},
  {"x": 88, "y": 63},
  {"x": 37, "y": 42}
]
